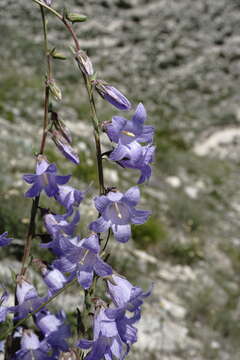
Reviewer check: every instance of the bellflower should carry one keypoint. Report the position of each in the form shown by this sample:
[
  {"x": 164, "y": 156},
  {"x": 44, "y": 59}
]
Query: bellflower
[
  {"x": 124, "y": 132},
  {"x": 107, "y": 342},
  {"x": 4, "y": 240},
  {"x": 83, "y": 260},
  {"x": 118, "y": 212},
  {"x": 46, "y": 179},
  {"x": 141, "y": 163},
  {"x": 31, "y": 348},
  {"x": 68, "y": 196},
  {"x": 64, "y": 147},
  {"x": 124, "y": 295},
  {"x": 54, "y": 329},
  {"x": 112, "y": 95},
  {"x": 27, "y": 297},
  {"x": 57, "y": 224}
]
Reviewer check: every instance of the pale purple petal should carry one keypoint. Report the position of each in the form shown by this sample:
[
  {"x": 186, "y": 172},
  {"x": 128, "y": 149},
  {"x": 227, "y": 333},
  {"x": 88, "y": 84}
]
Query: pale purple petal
[
  {"x": 102, "y": 268},
  {"x": 85, "y": 276},
  {"x": 139, "y": 118},
  {"x": 122, "y": 233},
  {"x": 139, "y": 216},
  {"x": 132, "y": 196},
  {"x": 100, "y": 225},
  {"x": 101, "y": 203},
  {"x": 119, "y": 153}
]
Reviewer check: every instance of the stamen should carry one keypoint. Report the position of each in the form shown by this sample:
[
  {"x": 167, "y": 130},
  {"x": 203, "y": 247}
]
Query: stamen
[
  {"x": 84, "y": 257},
  {"x": 128, "y": 133},
  {"x": 118, "y": 210}
]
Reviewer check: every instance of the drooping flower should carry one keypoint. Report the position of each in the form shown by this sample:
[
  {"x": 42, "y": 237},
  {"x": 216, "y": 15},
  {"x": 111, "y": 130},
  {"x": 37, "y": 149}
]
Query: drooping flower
[
  {"x": 124, "y": 294},
  {"x": 82, "y": 259},
  {"x": 64, "y": 146},
  {"x": 57, "y": 225},
  {"x": 27, "y": 297},
  {"x": 54, "y": 329},
  {"x": 118, "y": 212},
  {"x": 68, "y": 196},
  {"x": 127, "y": 299},
  {"x": 46, "y": 179},
  {"x": 4, "y": 240},
  {"x": 124, "y": 132},
  {"x": 31, "y": 347},
  {"x": 112, "y": 95},
  {"x": 106, "y": 342}
]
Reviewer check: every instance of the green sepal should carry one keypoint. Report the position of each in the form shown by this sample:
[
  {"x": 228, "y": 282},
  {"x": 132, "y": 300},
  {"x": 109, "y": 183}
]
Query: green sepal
[{"x": 57, "y": 55}]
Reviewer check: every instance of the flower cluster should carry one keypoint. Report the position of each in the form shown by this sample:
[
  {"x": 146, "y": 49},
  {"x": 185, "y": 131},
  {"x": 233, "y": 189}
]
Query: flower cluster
[{"x": 76, "y": 258}]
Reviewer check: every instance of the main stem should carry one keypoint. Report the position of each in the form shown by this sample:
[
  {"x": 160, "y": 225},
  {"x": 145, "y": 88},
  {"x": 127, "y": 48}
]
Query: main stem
[{"x": 31, "y": 228}]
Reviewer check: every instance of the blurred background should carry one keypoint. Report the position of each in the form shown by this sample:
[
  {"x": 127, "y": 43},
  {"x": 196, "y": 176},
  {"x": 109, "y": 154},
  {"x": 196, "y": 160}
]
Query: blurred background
[{"x": 182, "y": 60}]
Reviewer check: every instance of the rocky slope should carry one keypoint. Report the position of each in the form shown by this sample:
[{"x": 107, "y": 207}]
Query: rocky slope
[{"x": 182, "y": 59}]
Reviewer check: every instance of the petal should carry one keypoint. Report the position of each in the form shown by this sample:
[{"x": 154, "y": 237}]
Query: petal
[
  {"x": 117, "y": 347},
  {"x": 85, "y": 276},
  {"x": 132, "y": 196},
  {"x": 33, "y": 191},
  {"x": 92, "y": 243},
  {"x": 64, "y": 265},
  {"x": 139, "y": 216},
  {"x": 113, "y": 129},
  {"x": 135, "y": 151},
  {"x": 62, "y": 179},
  {"x": 101, "y": 202},
  {"x": 122, "y": 233},
  {"x": 146, "y": 172},
  {"x": 29, "y": 178},
  {"x": 52, "y": 168},
  {"x": 100, "y": 225},
  {"x": 138, "y": 118},
  {"x": 147, "y": 134},
  {"x": 102, "y": 268},
  {"x": 119, "y": 153}
]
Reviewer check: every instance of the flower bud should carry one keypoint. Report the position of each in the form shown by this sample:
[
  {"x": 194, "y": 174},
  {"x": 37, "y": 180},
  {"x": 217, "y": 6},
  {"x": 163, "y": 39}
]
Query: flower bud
[
  {"x": 57, "y": 55},
  {"x": 74, "y": 17},
  {"x": 112, "y": 95},
  {"x": 55, "y": 90},
  {"x": 65, "y": 148},
  {"x": 61, "y": 127},
  {"x": 84, "y": 63}
]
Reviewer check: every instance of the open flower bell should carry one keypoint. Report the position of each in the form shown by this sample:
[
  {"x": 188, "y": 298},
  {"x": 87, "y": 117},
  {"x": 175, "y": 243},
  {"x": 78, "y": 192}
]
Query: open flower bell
[
  {"x": 118, "y": 213},
  {"x": 46, "y": 179}
]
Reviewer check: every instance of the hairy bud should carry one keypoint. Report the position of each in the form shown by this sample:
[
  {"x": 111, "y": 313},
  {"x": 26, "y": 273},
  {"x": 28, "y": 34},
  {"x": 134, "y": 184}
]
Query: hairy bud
[
  {"x": 84, "y": 63},
  {"x": 55, "y": 90}
]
